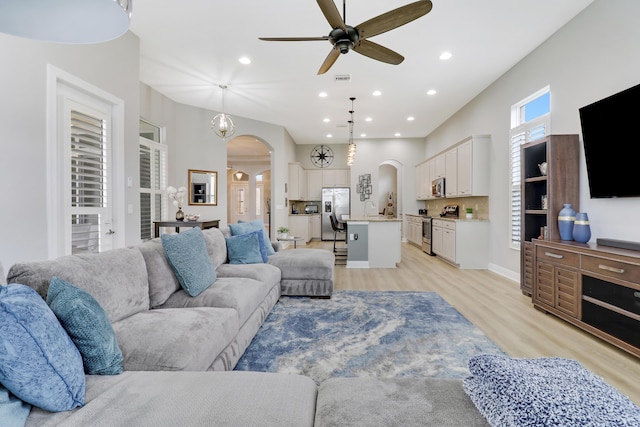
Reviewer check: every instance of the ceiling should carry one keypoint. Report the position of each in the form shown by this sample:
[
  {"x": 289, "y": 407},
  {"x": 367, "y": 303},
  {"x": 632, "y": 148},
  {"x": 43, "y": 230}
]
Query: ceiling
[{"x": 189, "y": 48}]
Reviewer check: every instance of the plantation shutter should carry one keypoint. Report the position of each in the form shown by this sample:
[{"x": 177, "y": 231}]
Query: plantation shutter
[
  {"x": 88, "y": 178},
  {"x": 153, "y": 166}
]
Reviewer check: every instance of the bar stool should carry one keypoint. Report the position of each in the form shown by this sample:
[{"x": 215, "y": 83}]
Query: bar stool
[{"x": 341, "y": 253}]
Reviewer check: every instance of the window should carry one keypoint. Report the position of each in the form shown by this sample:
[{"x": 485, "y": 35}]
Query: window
[
  {"x": 153, "y": 178},
  {"x": 530, "y": 120}
]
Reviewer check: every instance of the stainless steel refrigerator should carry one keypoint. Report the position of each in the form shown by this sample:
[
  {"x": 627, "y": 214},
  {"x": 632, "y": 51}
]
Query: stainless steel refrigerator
[{"x": 334, "y": 199}]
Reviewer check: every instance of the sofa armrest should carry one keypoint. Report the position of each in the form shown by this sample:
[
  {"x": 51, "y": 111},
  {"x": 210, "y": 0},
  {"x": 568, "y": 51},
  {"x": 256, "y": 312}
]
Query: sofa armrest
[{"x": 277, "y": 246}]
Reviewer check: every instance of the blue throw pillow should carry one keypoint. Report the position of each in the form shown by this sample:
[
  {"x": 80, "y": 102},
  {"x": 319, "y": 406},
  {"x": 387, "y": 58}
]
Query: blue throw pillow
[
  {"x": 88, "y": 327},
  {"x": 188, "y": 257},
  {"x": 246, "y": 227},
  {"x": 13, "y": 411},
  {"x": 245, "y": 248},
  {"x": 39, "y": 363}
]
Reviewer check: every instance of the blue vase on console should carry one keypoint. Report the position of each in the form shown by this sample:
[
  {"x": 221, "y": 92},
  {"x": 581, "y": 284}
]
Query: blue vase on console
[
  {"x": 566, "y": 218},
  {"x": 581, "y": 228}
]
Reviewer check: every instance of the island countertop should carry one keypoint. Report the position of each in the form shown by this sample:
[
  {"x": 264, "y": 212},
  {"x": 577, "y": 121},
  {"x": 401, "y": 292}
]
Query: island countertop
[{"x": 372, "y": 218}]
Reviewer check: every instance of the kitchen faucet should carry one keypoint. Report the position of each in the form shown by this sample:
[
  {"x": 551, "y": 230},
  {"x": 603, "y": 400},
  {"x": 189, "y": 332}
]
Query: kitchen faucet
[{"x": 365, "y": 207}]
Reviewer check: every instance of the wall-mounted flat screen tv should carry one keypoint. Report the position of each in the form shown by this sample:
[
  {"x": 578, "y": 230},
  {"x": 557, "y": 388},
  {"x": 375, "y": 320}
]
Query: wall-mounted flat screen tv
[{"x": 611, "y": 137}]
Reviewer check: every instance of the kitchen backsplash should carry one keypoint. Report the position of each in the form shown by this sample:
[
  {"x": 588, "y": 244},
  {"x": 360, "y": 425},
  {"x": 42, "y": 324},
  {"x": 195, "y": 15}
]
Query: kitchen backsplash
[{"x": 480, "y": 206}]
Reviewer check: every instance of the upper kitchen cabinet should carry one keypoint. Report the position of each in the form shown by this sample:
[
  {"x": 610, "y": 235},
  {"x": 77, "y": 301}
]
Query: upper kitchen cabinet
[
  {"x": 335, "y": 178},
  {"x": 472, "y": 173},
  {"x": 314, "y": 184},
  {"x": 423, "y": 181},
  {"x": 297, "y": 182}
]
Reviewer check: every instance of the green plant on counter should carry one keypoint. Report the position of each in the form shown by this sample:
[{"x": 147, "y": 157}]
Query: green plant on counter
[
  {"x": 469, "y": 210},
  {"x": 283, "y": 230}
]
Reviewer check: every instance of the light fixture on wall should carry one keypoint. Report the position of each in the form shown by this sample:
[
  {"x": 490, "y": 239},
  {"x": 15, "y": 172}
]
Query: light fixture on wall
[
  {"x": 239, "y": 175},
  {"x": 66, "y": 21},
  {"x": 351, "y": 150},
  {"x": 221, "y": 123}
]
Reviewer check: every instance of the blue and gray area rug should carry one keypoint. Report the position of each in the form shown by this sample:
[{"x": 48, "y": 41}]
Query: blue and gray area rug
[{"x": 360, "y": 333}]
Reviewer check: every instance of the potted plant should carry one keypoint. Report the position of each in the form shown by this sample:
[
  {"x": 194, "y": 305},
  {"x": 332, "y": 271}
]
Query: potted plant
[
  {"x": 469, "y": 213},
  {"x": 283, "y": 232}
]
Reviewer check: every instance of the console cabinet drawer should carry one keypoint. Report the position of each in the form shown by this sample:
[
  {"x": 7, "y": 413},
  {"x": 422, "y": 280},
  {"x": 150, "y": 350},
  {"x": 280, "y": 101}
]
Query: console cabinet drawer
[
  {"x": 558, "y": 256},
  {"x": 610, "y": 268}
]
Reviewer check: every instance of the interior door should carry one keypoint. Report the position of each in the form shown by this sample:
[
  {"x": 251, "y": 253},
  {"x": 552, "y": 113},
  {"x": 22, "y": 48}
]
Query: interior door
[{"x": 239, "y": 203}]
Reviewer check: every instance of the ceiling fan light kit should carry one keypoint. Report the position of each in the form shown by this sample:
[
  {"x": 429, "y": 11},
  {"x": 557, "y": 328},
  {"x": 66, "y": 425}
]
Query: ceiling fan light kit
[
  {"x": 344, "y": 37},
  {"x": 66, "y": 21}
]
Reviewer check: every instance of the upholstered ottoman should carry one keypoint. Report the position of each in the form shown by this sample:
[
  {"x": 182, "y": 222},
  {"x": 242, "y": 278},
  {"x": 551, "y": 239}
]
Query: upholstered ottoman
[{"x": 305, "y": 271}]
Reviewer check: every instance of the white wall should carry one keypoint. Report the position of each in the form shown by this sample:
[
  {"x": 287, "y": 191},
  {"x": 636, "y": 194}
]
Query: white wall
[
  {"x": 593, "y": 56},
  {"x": 111, "y": 66}
]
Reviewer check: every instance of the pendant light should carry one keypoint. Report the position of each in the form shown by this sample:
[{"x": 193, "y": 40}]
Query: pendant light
[
  {"x": 351, "y": 150},
  {"x": 221, "y": 123},
  {"x": 66, "y": 21}
]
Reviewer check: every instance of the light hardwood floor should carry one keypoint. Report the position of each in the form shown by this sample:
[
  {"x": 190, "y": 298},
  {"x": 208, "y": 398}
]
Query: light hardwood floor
[{"x": 497, "y": 307}]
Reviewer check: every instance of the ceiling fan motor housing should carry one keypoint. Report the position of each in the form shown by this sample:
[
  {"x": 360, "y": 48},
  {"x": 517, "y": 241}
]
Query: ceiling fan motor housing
[{"x": 344, "y": 40}]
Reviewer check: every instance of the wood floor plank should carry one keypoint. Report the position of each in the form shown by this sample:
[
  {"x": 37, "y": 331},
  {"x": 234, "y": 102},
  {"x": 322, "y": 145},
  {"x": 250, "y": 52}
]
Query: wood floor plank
[{"x": 497, "y": 307}]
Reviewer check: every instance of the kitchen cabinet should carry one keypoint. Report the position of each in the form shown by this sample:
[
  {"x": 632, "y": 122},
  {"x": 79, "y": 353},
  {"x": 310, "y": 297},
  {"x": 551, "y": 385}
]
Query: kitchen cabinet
[
  {"x": 316, "y": 226},
  {"x": 297, "y": 184},
  {"x": 451, "y": 173},
  {"x": 423, "y": 183},
  {"x": 439, "y": 168},
  {"x": 560, "y": 185},
  {"x": 473, "y": 157},
  {"x": 464, "y": 243},
  {"x": 335, "y": 177},
  {"x": 314, "y": 184},
  {"x": 300, "y": 226},
  {"x": 414, "y": 229}
]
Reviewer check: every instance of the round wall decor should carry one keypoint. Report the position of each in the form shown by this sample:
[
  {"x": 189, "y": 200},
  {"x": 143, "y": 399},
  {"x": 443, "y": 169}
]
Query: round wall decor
[{"x": 321, "y": 156}]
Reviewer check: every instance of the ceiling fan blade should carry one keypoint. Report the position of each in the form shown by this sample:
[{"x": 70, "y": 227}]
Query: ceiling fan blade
[
  {"x": 293, "y": 39},
  {"x": 331, "y": 13},
  {"x": 378, "y": 52},
  {"x": 393, "y": 19},
  {"x": 329, "y": 61}
]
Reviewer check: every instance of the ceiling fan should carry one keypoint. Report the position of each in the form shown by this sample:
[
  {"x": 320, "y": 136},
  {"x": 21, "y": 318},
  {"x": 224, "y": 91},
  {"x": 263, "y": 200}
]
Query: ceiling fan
[{"x": 344, "y": 37}]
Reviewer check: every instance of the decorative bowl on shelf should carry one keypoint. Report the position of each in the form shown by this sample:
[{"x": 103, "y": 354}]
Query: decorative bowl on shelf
[{"x": 192, "y": 217}]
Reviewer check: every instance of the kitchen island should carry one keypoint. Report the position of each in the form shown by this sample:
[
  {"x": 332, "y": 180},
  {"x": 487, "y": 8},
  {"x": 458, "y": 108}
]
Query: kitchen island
[{"x": 374, "y": 241}]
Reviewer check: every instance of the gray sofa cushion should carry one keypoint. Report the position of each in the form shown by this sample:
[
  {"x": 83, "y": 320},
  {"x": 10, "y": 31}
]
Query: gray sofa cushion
[
  {"x": 158, "y": 399},
  {"x": 117, "y": 279},
  {"x": 188, "y": 339},
  {"x": 241, "y": 294},
  {"x": 305, "y": 263},
  {"x": 407, "y": 402},
  {"x": 162, "y": 280},
  {"x": 216, "y": 246},
  {"x": 266, "y": 273}
]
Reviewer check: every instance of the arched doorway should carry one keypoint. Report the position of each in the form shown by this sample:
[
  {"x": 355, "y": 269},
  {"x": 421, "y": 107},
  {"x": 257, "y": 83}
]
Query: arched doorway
[
  {"x": 390, "y": 188},
  {"x": 249, "y": 180}
]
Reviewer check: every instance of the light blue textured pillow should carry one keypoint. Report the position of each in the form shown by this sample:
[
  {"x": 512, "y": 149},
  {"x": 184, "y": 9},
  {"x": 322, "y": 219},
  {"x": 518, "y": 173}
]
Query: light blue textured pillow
[
  {"x": 245, "y": 248},
  {"x": 39, "y": 363},
  {"x": 246, "y": 227},
  {"x": 13, "y": 411},
  {"x": 188, "y": 257},
  {"x": 88, "y": 327}
]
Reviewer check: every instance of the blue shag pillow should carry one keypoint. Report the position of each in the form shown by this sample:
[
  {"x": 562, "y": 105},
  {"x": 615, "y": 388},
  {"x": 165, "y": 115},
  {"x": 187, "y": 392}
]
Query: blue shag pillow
[
  {"x": 245, "y": 248},
  {"x": 13, "y": 411},
  {"x": 545, "y": 392},
  {"x": 246, "y": 227},
  {"x": 188, "y": 257},
  {"x": 88, "y": 327},
  {"x": 39, "y": 363}
]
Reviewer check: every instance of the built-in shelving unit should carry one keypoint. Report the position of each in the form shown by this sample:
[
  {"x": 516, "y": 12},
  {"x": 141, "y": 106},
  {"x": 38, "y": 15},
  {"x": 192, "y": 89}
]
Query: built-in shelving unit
[{"x": 560, "y": 185}]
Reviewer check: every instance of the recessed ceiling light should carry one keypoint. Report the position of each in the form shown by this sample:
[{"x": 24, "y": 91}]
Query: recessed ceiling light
[
  {"x": 362, "y": 135},
  {"x": 445, "y": 55},
  {"x": 245, "y": 60},
  {"x": 368, "y": 119},
  {"x": 329, "y": 135},
  {"x": 398, "y": 134},
  {"x": 411, "y": 118},
  {"x": 377, "y": 93},
  {"x": 432, "y": 92},
  {"x": 322, "y": 94},
  {"x": 326, "y": 120}
]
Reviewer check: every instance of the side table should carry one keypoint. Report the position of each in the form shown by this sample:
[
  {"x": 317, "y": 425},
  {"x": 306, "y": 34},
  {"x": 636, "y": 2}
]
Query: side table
[
  {"x": 293, "y": 239},
  {"x": 190, "y": 224}
]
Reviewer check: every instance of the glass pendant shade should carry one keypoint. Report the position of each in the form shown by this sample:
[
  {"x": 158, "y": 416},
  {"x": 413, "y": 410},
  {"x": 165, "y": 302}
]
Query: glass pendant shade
[
  {"x": 223, "y": 126},
  {"x": 66, "y": 21}
]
